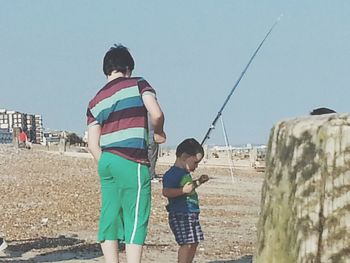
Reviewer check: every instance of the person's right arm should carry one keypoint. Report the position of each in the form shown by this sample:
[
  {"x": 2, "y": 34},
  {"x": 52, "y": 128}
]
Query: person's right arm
[
  {"x": 157, "y": 117},
  {"x": 94, "y": 134}
]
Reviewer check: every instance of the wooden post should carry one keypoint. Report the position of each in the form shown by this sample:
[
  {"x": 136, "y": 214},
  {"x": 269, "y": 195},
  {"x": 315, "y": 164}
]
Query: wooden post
[
  {"x": 62, "y": 145},
  {"x": 305, "y": 206},
  {"x": 15, "y": 134}
]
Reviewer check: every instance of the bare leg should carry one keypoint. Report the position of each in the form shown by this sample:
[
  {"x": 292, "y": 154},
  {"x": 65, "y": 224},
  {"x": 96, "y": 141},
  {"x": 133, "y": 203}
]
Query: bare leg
[
  {"x": 133, "y": 253},
  {"x": 186, "y": 253},
  {"x": 110, "y": 251},
  {"x": 192, "y": 253}
]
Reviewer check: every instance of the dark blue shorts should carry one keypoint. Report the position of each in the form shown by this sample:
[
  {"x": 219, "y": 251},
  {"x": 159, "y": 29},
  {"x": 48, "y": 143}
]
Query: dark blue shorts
[{"x": 186, "y": 227}]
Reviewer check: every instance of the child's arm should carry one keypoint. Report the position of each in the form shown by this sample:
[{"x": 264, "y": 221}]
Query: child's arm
[{"x": 175, "y": 192}]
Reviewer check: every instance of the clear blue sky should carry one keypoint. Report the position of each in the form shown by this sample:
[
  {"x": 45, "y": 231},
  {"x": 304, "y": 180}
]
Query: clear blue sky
[{"x": 191, "y": 52}]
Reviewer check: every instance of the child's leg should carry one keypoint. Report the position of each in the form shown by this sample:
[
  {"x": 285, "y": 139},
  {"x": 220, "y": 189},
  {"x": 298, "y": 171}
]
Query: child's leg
[
  {"x": 192, "y": 253},
  {"x": 133, "y": 253},
  {"x": 110, "y": 251},
  {"x": 186, "y": 253}
]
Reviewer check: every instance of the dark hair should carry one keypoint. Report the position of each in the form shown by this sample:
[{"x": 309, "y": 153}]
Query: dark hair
[
  {"x": 189, "y": 146},
  {"x": 321, "y": 111},
  {"x": 118, "y": 58}
]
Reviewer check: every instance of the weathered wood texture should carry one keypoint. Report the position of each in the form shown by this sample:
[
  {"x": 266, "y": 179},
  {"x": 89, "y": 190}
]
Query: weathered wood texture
[{"x": 305, "y": 206}]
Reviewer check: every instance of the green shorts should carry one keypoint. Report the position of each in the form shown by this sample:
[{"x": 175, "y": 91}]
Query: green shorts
[{"x": 126, "y": 199}]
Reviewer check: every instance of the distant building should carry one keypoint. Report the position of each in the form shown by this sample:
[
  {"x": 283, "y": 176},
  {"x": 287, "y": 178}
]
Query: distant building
[
  {"x": 39, "y": 131},
  {"x": 31, "y": 124},
  {"x": 4, "y": 120},
  {"x": 51, "y": 137},
  {"x": 5, "y": 136},
  {"x": 243, "y": 150}
]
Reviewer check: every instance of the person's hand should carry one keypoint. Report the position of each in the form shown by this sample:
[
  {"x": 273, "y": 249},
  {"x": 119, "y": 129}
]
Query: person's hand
[
  {"x": 159, "y": 138},
  {"x": 203, "y": 178},
  {"x": 188, "y": 188}
]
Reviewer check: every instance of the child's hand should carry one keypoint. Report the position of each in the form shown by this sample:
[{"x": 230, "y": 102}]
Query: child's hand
[
  {"x": 188, "y": 188},
  {"x": 203, "y": 178}
]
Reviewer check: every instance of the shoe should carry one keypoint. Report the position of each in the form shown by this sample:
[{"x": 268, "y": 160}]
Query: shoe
[{"x": 3, "y": 244}]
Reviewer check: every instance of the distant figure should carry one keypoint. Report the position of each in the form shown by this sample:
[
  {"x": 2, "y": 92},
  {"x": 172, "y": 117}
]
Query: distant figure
[
  {"x": 22, "y": 139},
  {"x": 153, "y": 148},
  {"x": 117, "y": 139},
  {"x": 3, "y": 244},
  {"x": 183, "y": 207},
  {"x": 321, "y": 111},
  {"x": 31, "y": 135}
]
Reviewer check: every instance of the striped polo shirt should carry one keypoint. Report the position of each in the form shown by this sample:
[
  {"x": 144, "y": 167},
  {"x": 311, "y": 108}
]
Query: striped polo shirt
[{"x": 118, "y": 108}]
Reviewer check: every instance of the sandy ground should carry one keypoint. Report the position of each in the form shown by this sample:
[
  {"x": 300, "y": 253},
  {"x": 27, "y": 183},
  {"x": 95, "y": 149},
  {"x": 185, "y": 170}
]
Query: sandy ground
[{"x": 50, "y": 202}]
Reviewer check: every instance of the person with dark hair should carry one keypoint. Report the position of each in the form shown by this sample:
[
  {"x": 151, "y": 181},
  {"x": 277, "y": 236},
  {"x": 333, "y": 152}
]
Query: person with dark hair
[
  {"x": 321, "y": 111},
  {"x": 118, "y": 140},
  {"x": 183, "y": 205},
  {"x": 118, "y": 59}
]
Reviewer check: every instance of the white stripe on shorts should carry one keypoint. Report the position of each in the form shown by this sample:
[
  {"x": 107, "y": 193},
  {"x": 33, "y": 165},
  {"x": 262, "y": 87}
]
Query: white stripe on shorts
[{"x": 137, "y": 202}]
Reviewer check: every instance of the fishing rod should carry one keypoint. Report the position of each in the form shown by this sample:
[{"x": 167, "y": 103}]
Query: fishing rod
[{"x": 212, "y": 126}]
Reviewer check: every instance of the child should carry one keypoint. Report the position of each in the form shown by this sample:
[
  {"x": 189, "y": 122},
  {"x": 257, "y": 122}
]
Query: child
[
  {"x": 118, "y": 140},
  {"x": 183, "y": 208}
]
